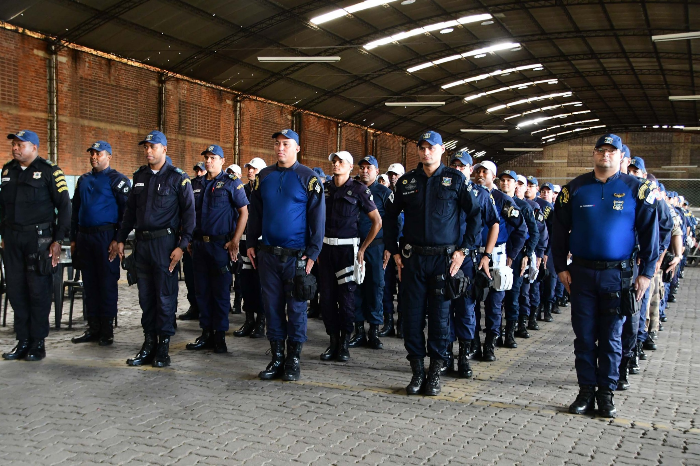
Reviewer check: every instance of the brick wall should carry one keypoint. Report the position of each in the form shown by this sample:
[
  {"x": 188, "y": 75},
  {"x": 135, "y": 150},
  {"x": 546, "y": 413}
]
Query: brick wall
[
  {"x": 388, "y": 150},
  {"x": 318, "y": 138},
  {"x": 259, "y": 121}
]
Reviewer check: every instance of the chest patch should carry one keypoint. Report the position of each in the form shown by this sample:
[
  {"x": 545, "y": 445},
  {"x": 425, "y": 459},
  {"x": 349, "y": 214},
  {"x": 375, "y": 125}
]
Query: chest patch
[
  {"x": 446, "y": 181},
  {"x": 5, "y": 172},
  {"x": 219, "y": 184},
  {"x": 138, "y": 184},
  {"x": 36, "y": 175},
  {"x": 618, "y": 205},
  {"x": 197, "y": 191}
]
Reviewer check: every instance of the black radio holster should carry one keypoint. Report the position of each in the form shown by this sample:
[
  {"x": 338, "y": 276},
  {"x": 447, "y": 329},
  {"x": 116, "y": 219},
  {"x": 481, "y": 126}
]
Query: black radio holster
[
  {"x": 129, "y": 264},
  {"x": 304, "y": 285},
  {"x": 666, "y": 277}
]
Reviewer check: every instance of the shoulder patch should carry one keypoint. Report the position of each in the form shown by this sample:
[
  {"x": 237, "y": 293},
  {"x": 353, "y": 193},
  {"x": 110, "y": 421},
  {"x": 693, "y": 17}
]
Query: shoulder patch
[
  {"x": 179, "y": 171},
  {"x": 313, "y": 184},
  {"x": 256, "y": 185},
  {"x": 48, "y": 162},
  {"x": 185, "y": 181},
  {"x": 564, "y": 195},
  {"x": 547, "y": 211},
  {"x": 233, "y": 177},
  {"x": 644, "y": 190},
  {"x": 58, "y": 172},
  {"x": 493, "y": 201}
]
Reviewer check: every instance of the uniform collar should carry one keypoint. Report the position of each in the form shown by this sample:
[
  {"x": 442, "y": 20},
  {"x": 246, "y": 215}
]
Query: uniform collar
[
  {"x": 613, "y": 177},
  {"x": 281, "y": 169},
  {"x": 439, "y": 170},
  {"x": 105, "y": 171}
]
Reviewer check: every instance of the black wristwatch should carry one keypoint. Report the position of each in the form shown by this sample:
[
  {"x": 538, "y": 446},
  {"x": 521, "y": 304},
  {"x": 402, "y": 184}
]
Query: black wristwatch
[{"x": 489, "y": 255}]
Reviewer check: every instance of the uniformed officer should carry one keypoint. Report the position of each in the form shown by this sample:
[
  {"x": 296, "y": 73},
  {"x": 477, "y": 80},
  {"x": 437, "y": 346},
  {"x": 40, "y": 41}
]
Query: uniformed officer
[
  {"x": 431, "y": 253},
  {"x": 370, "y": 294},
  {"x": 192, "y": 312},
  {"x": 549, "y": 281},
  {"x": 249, "y": 277},
  {"x": 509, "y": 183},
  {"x": 234, "y": 169},
  {"x": 511, "y": 238},
  {"x": 314, "y": 310},
  {"x": 161, "y": 209},
  {"x": 394, "y": 172},
  {"x": 600, "y": 217},
  {"x": 32, "y": 234},
  {"x": 383, "y": 179},
  {"x": 340, "y": 257},
  {"x": 288, "y": 210},
  {"x": 98, "y": 208},
  {"x": 221, "y": 215}
]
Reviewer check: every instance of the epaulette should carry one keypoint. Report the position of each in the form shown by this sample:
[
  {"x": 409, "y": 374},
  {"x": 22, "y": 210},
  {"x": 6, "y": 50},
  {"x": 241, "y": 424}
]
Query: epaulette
[
  {"x": 179, "y": 171},
  {"x": 453, "y": 171},
  {"x": 232, "y": 176},
  {"x": 142, "y": 167},
  {"x": 8, "y": 163},
  {"x": 48, "y": 162}
]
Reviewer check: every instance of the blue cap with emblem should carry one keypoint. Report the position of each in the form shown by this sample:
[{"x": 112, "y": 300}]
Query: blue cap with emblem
[
  {"x": 463, "y": 157},
  {"x": 370, "y": 159},
  {"x": 547, "y": 186},
  {"x": 638, "y": 162},
  {"x": 319, "y": 171},
  {"x": 100, "y": 146},
  {"x": 25, "y": 136},
  {"x": 287, "y": 133},
  {"x": 625, "y": 151},
  {"x": 662, "y": 188},
  {"x": 532, "y": 180},
  {"x": 611, "y": 140},
  {"x": 431, "y": 137},
  {"x": 199, "y": 166},
  {"x": 510, "y": 173},
  {"x": 214, "y": 149},
  {"x": 155, "y": 137}
]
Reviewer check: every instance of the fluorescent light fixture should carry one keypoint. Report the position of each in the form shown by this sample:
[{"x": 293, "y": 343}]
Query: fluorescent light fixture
[
  {"x": 450, "y": 144},
  {"x": 544, "y": 109},
  {"x": 550, "y": 161},
  {"x": 414, "y": 104},
  {"x": 528, "y": 100},
  {"x": 479, "y": 130},
  {"x": 679, "y": 166},
  {"x": 426, "y": 29},
  {"x": 523, "y": 149},
  {"x": 471, "y": 53},
  {"x": 316, "y": 59},
  {"x": 480, "y": 153},
  {"x": 339, "y": 13},
  {"x": 580, "y": 122},
  {"x": 680, "y": 36},
  {"x": 492, "y": 74},
  {"x": 675, "y": 98},
  {"x": 446, "y": 31},
  {"x": 691, "y": 128},
  {"x": 576, "y": 130},
  {"x": 510, "y": 88}
]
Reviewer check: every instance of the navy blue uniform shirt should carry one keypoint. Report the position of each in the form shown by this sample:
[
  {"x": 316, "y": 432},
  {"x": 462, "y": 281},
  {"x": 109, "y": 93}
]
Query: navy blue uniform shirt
[
  {"x": 604, "y": 221},
  {"x": 533, "y": 233},
  {"x": 343, "y": 206},
  {"x": 216, "y": 203},
  {"x": 548, "y": 212},
  {"x": 380, "y": 196},
  {"x": 159, "y": 201},
  {"x": 512, "y": 228},
  {"x": 431, "y": 207},
  {"x": 487, "y": 209},
  {"x": 287, "y": 208},
  {"x": 99, "y": 199},
  {"x": 543, "y": 242}
]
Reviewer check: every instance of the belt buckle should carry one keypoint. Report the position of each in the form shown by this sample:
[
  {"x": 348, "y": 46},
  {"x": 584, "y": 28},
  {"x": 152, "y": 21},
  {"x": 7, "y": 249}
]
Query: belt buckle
[
  {"x": 277, "y": 250},
  {"x": 146, "y": 235},
  {"x": 205, "y": 239}
]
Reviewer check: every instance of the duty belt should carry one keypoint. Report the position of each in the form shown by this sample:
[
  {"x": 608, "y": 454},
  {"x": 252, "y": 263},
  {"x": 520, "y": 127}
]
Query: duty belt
[
  {"x": 376, "y": 241},
  {"x": 208, "y": 239},
  {"x": 433, "y": 250},
  {"x": 93, "y": 230},
  {"x": 147, "y": 235},
  {"x": 279, "y": 251},
  {"x": 603, "y": 265},
  {"x": 38, "y": 228},
  {"x": 341, "y": 241}
]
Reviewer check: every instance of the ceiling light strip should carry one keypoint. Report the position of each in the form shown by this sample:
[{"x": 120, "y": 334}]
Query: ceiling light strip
[
  {"x": 339, "y": 13},
  {"x": 680, "y": 36},
  {"x": 536, "y": 67},
  {"x": 523, "y": 149},
  {"x": 552, "y": 136},
  {"x": 490, "y": 49},
  {"x": 414, "y": 104},
  {"x": 480, "y": 130},
  {"x": 528, "y": 100},
  {"x": 510, "y": 88},
  {"x": 311, "y": 59}
]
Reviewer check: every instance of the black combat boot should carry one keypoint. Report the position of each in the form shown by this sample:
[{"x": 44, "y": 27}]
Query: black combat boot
[
  {"x": 275, "y": 368},
  {"x": 475, "y": 350},
  {"x": 432, "y": 385},
  {"x": 259, "y": 330},
  {"x": 399, "y": 325},
  {"x": 236, "y": 306},
  {"x": 314, "y": 310},
  {"x": 663, "y": 318},
  {"x": 640, "y": 352},
  {"x": 547, "y": 310},
  {"x": 388, "y": 329},
  {"x": 499, "y": 339},
  {"x": 92, "y": 333},
  {"x": 563, "y": 302},
  {"x": 463, "y": 369},
  {"x": 532, "y": 321},
  {"x": 147, "y": 352},
  {"x": 292, "y": 370},
  {"x": 204, "y": 341},
  {"x": 522, "y": 332},
  {"x": 331, "y": 352},
  {"x": 488, "y": 354},
  {"x": 633, "y": 365},
  {"x": 449, "y": 366},
  {"x": 220, "y": 342},
  {"x": 649, "y": 343},
  {"x": 37, "y": 351},
  {"x": 555, "y": 307},
  {"x": 18, "y": 352},
  {"x": 622, "y": 382},
  {"x": 106, "y": 331},
  {"x": 162, "y": 358},
  {"x": 343, "y": 347},
  {"x": 585, "y": 401},
  {"x": 510, "y": 335},
  {"x": 606, "y": 405},
  {"x": 191, "y": 314},
  {"x": 418, "y": 380},
  {"x": 248, "y": 326},
  {"x": 373, "y": 340},
  {"x": 360, "y": 337}
]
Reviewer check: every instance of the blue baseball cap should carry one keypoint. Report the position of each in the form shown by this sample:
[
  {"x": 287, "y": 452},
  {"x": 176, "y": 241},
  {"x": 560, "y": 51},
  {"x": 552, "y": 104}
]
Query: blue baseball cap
[
  {"x": 463, "y": 157},
  {"x": 610, "y": 139},
  {"x": 625, "y": 151},
  {"x": 532, "y": 180},
  {"x": 25, "y": 135},
  {"x": 639, "y": 163},
  {"x": 548, "y": 186},
  {"x": 100, "y": 146},
  {"x": 319, "y": 171},
  {"x": 287, "y": 133},
  {"x": 155, "y": 137},
  {"x": 370, "y": 159},
  {"x": 510, "y": 173},
  {"x": 199, "y": 166},
  {"x": 662, "y": 188},
  {"x": 431, "y": 137},
  {"x": 214, "y": 149},
  {"x": 329, "y": 177}
]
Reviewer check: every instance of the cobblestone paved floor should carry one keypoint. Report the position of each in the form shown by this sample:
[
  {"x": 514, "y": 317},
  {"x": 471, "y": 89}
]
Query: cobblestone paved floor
[{"x": 82, "y": 404}]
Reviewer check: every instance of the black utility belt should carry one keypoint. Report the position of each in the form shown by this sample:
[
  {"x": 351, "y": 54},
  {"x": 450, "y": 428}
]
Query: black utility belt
[
  {"x": 376, "y": 241},
  {"x": 626, "y": 264},
  {"x": 209, "y": 238},
  {"x": 279, "y": 251},
  {"x": 93, "y": 230},
  {"x": 147, "y": 235},
  {"x": 432, "y": 250},
  {"x": 38, "y": 228}
]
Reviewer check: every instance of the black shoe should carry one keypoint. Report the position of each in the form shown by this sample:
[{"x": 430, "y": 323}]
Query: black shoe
[
  {"x": 547, "y": 310},
  {"x": 680, "y": 274},
  {"x": 399, "y": 326},
  {"x": 18, "y": 352},
  {"x": 532, "y": 321},
  {"x": 475, "y": 350},
  {"x": 555, "y": 308},
  {"x": 499, "y": 339},
  {"x": 606, "y": 406},
  {"x": 671, "y": 299},
  {"x": 661, "y": 328},
  {"x": 432, "y": 385},
  {"x": 360, "y": 337},
  {"x": 275, "y": 368},
  {"x": 522, "y": 332},
  {"x": 622, "y": 382},
  {"x": 585, "y": 401},
  {"x": 464, "y": 370},
  {"x": 236, "y": 306},
  {"x": 259, "y": 330},
  {"x": 649, "y": 343},
  {"x": 191, "y": 314},
  {"x": 205, "y": 341},
  {"x": 162, "y": 358},
  {"x": 641, "y": 354},
  {"x": 373, "y": 340},
  {"x": 247, "y": 327},
  {"x": 37, "y": 351},
  {"x": 563, "y": 302},
  {"x": 220, "y": 342},
  {"x": 488, "y": 354},
  {"x": 510, "y": 335},
  {"x": 91, "y": 334},
  {"x": 106, "y": 331},
  {"x": 331, "y": 352},
  {"x": 418, "y": 380},
  {"x": 449, "y": 366},
  {"x": 663, "y": 319},
  {"x": 388, "y": 329},
  {"x": 292, "y": 369},
  {"x": 147, "y": 352},
  {"x": 343, "y": 347}
]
